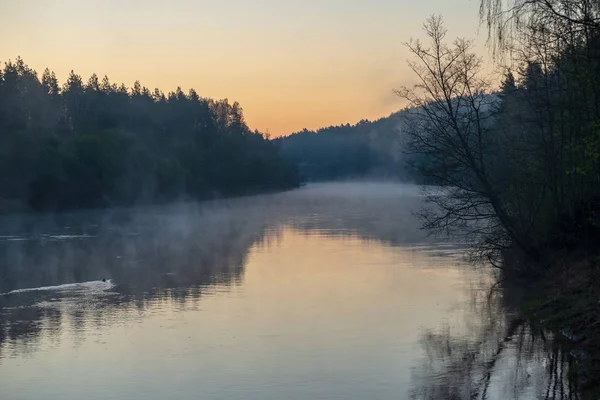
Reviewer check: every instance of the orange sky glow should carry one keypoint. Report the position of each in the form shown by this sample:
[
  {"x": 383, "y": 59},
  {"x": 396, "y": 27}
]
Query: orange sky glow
[{"x": 291, "y": 64}]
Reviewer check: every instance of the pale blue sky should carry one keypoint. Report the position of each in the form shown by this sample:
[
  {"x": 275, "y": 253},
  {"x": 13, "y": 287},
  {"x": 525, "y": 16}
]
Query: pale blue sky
[{"x": 291, "y": 64}]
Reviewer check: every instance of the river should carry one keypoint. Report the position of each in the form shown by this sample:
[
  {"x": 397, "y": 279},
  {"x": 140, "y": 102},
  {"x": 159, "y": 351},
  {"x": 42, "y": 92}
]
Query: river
[{"x": 330, "y": 291}]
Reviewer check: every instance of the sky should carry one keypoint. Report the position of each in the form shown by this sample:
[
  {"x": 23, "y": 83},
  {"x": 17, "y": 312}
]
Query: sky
[{"x": 292, "y": 64}]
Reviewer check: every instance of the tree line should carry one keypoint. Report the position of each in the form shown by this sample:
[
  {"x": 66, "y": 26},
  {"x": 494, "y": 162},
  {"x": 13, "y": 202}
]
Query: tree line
[
  {"x": 365, "y": 149},
  {"x": 96, "y": 144}
]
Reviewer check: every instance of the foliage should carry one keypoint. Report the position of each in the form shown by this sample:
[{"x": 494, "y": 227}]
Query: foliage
[
  {"x": 97, "y": 144},
  {"x": 366, "y": 149},
  {"x": 518, "y": 167},
  {"x": 450, "y": 124}
]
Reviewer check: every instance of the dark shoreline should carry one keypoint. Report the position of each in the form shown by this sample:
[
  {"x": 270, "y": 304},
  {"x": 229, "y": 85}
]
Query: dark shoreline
[
  {"x": 565, "y": 300},
  {"x": 10, "y": 207}
]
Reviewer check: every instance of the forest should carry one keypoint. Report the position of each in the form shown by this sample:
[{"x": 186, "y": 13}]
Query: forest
[
  {"x": 518, "y": 164},
  {"x": 98, "y": 144},
  {"x": 368, "y": 149}
]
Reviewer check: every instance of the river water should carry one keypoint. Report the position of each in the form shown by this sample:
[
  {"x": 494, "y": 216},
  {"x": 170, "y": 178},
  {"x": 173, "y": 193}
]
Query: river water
[{"x": 330, "y": 291}]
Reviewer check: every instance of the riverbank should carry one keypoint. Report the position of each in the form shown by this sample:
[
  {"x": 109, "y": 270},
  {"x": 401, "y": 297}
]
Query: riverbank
[
  {"x": 10, "y": 206},
  {"x": 566, "y": 300}
]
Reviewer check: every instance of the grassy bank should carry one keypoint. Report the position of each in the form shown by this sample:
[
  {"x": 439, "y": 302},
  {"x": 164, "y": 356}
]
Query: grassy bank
[{"x": 567, "y": 301}]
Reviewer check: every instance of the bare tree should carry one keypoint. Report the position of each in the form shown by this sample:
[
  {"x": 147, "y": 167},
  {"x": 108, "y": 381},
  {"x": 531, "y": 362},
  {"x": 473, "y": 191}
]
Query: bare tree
[{"x": 449, "y": 126}]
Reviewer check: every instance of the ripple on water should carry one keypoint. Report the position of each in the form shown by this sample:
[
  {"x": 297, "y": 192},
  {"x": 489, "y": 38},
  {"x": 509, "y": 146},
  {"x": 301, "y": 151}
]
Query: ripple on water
[{"x": 90, "y": 286}]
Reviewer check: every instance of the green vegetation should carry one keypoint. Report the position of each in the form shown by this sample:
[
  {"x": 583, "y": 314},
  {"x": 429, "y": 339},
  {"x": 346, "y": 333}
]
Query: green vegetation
[{"x": 97, "y": 144}]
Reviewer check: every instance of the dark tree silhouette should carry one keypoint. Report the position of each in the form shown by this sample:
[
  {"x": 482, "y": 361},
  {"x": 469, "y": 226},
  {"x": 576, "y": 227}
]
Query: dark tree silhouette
[
  {"x": 96, "y": 144},
  {"x": 366, "y": 149}
]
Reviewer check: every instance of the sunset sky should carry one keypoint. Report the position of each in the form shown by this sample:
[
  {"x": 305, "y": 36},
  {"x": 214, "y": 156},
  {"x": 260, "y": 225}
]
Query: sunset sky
[{"x": 291, "y": 64}]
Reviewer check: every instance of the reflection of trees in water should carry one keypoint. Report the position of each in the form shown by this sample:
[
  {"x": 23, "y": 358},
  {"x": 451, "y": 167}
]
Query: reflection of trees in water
[
  {"x": 164, "y": 254},
  {"x": 180, "y": 247},
  {"x": 177, "y": 254},
  {"x": 498, "y": 356},
  {"x": 167, "y": 255}
]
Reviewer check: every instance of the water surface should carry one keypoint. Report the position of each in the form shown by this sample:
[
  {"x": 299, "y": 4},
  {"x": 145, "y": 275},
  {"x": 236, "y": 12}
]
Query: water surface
[{"x": 326, "y": 292}]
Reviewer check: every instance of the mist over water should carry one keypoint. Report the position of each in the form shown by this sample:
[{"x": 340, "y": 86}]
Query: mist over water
[{"x": 330, "y": 291}]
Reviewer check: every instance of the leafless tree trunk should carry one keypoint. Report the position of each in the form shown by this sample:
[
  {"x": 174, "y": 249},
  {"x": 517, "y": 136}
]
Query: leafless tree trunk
[{"x": 449, "y": 128}]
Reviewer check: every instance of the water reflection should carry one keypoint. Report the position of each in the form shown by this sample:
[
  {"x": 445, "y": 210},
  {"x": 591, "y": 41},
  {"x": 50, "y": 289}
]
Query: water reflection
[
  {"x": 154, "y": 255},
  {"x": 495, "y": 355},
  {"x": 326, "y": 292}
]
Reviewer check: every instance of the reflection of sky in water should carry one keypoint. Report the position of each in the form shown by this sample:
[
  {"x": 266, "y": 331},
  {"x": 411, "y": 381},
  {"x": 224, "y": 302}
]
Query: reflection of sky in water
[{"x": 276, "y": 297}]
